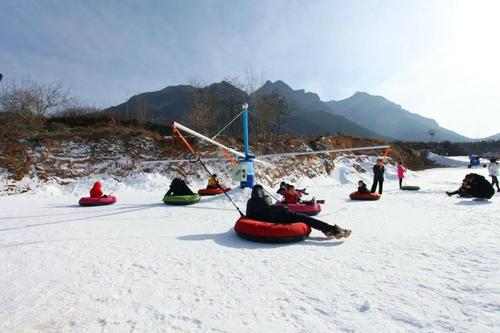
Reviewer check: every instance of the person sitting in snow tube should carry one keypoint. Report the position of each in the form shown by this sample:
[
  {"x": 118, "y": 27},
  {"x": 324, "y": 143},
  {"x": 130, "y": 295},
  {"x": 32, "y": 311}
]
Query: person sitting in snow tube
[
  {"x": 362, "y": 189},
  {"x": 363, "y": 193},
  {"x": 260, "y": 208},
  {"x": 293, "y": 196},
  {"x": 474, "y": 186},
  {"x": 213, "y": 182},
  {"x": 282, "y": 189},
  {"x": 179, "y": 187},
  {"x": 95, "y": 191},
  {"x": 96, "y": 197}
]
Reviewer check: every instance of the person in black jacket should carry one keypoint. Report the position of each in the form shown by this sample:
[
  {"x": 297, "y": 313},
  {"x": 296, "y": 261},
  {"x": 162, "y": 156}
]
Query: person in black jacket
[
  {"x": 282, "y": 189},
  {"x": 179, "y": 187},
  {"x": 475, "y": 186},
  {"x": 362, "y": 189},
  {"x": 480, "y": 187},
  {"x": 260, "y": 207},
  {"x": 378, "y": 176}
]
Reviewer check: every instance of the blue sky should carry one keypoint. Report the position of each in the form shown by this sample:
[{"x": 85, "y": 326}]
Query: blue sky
[{"x": 436, "y": 58}]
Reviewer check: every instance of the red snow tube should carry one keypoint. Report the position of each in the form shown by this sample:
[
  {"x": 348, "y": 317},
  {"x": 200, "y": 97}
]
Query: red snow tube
[
  {"x": 97, "y": 201},
  {"x": 213, "y": 191},
  {"x": 364, "y": 196},
  {"x": 302, "y": 208},
  {"x": 266, "y": 232}
]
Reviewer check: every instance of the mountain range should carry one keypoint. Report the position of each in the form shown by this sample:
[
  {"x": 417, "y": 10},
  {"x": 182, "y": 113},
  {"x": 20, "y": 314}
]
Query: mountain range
[{"x": 361, "y": 115}]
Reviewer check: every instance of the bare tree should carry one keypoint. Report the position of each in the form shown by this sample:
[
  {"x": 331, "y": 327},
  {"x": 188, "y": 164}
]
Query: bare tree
[
  {"x": 271, "y": 110},
  {"x": 142, "y": 109},
  {"x": 202, "y": 103},
  {"x": 31, "y": 102}
]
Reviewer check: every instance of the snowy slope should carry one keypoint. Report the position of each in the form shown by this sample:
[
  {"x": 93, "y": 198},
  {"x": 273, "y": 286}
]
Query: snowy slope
[
  {"x": 416, "y": 262},
  {"x": 453, "y": 161}
]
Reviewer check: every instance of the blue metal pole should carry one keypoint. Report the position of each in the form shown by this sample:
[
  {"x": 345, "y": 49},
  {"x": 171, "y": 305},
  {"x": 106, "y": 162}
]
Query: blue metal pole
[
  {"x": 247, "y": 162},
  {"x": 245, "y": 129}
]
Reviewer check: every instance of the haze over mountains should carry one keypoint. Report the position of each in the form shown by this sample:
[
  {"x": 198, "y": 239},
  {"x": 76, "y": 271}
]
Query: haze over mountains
[{"x": 362, "y": 114}]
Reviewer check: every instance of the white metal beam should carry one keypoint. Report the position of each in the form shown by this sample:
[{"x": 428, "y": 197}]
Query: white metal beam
[
  {"x": 203, "y": 137},
  {"x": 323, "y": 151}
]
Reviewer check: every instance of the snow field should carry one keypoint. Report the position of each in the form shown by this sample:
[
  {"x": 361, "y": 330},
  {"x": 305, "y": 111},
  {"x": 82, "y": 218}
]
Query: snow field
[{"x": 415, "y": 262}]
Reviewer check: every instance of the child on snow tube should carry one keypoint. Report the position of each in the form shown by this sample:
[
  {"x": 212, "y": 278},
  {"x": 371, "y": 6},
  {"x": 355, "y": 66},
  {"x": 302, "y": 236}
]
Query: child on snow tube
[
  {"x": 260, "y": 207},
  {"x": 293, "y": 196},
  {"x": 362, "y": 189},
  {"x": 96, "y": 192},
  {"x": 213, "y": 183},
  {"x": 179, "y": 187}
]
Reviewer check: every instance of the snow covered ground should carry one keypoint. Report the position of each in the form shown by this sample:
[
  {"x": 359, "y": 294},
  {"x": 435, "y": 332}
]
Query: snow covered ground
[{"x": 415, "y": 262}]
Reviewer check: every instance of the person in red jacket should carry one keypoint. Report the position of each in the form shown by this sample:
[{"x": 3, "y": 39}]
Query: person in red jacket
[
  {"x": 96, "y": 191},
  {"x": 293, "y": 197}
]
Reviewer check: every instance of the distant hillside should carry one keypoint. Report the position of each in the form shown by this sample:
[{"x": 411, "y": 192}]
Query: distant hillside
[
  {"x": 495, "y": 137},
  {"x": 171, "y": 103},
  {"x": 384, "y": 116},
  {"x": 361, "y": 115},
  {"x": 307, "y": 117},
  {"x": 311, "y": 116}
]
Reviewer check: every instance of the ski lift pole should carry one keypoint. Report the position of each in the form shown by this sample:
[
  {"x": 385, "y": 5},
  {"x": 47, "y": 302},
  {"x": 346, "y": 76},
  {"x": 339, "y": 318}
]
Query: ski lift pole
[{"x": 246, "y": 162}]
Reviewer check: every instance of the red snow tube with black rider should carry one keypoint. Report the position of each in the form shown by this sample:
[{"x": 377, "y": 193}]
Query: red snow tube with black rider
[
  {"x": 308, "y": 209},
  {"x": 213, "y": 191},
  {"x": 364, "y": 196},
  {"x": 267, "y": 232},
  {"x": 88, "y": 201}
]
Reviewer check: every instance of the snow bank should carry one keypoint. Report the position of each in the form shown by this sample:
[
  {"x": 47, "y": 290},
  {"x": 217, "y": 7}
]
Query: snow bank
[{"x": 348, "y": 170}]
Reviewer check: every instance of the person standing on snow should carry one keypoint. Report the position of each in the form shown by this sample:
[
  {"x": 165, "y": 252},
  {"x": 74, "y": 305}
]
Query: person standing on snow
[
  {"x": 260, "y": 207},
  {"x": 378, "y": 176},
  {"x": 401, "y": 173},
  {"x": 493, "y": 172}
]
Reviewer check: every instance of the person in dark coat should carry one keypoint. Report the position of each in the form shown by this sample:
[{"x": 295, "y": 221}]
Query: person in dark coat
[
  {"x": 480, "y": 187},
  {"x": 179, "y": 187},
  {"x": 282, "y": 189},
  {"x": 260, "y": 207},
  {"x": 362, "y": 189},
  {"x": 378, "y": 176},
  {"x": 474, "y": 186}
]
